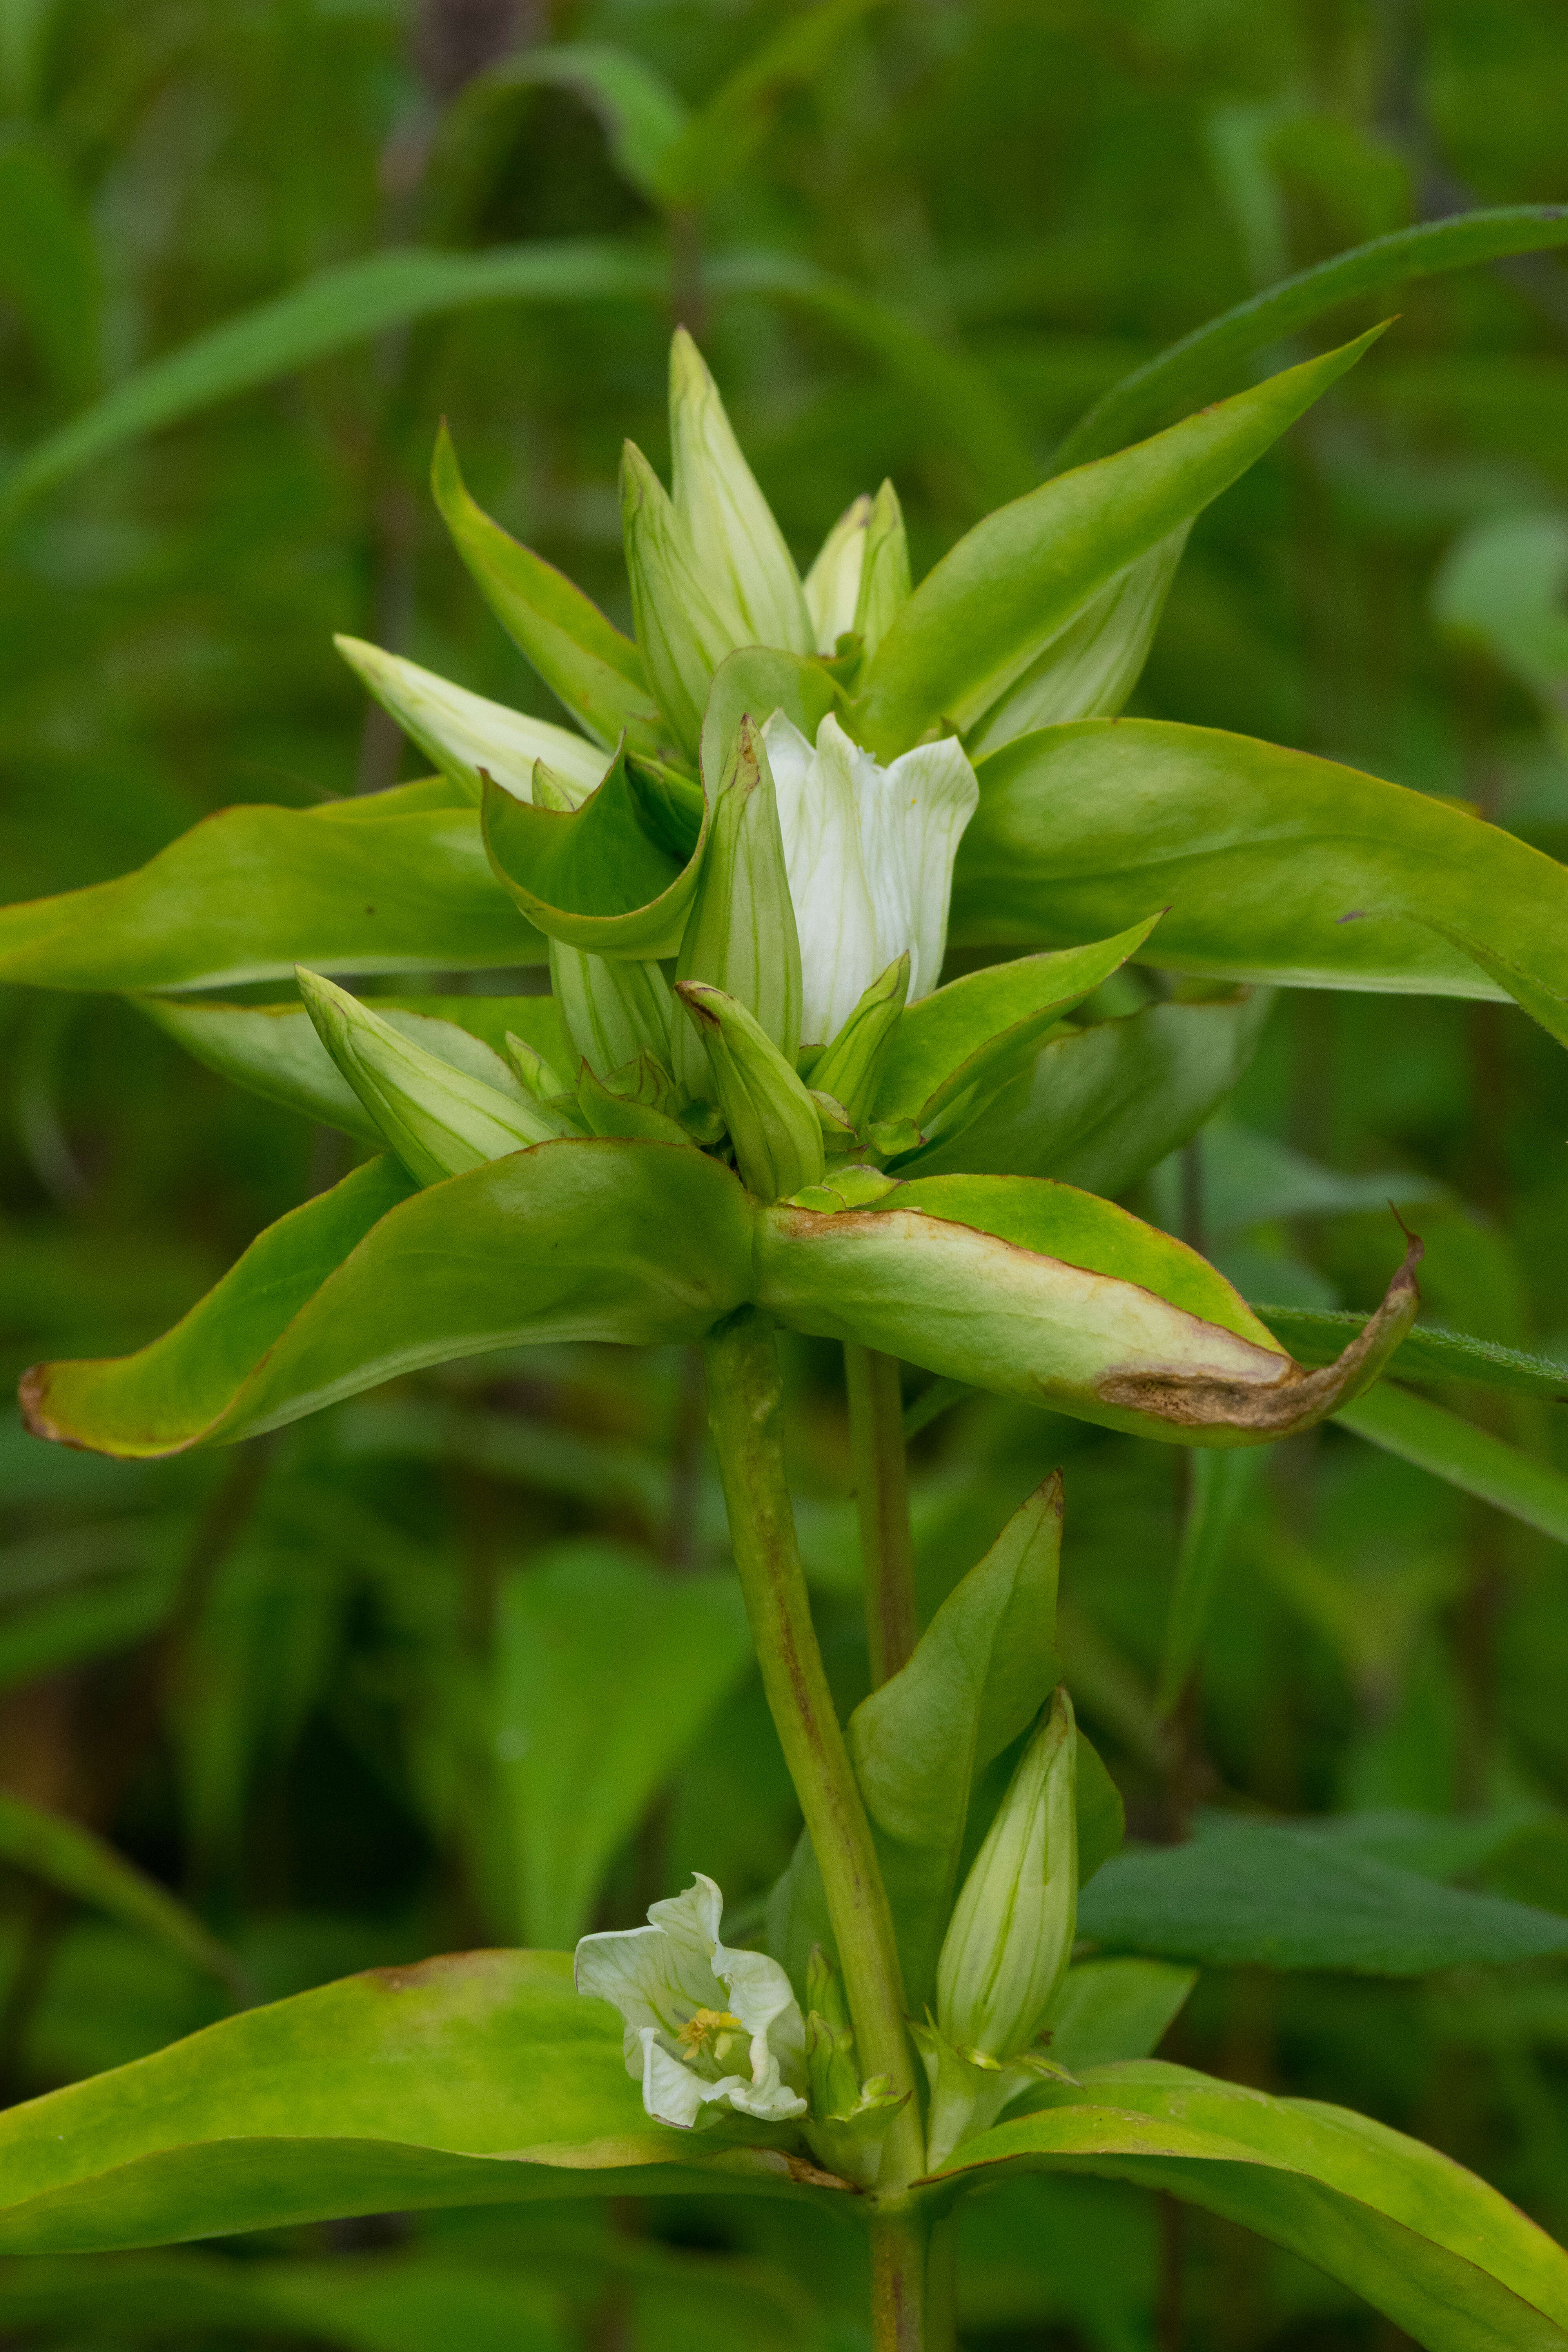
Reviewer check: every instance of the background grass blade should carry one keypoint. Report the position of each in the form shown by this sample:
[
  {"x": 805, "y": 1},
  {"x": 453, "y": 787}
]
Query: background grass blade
[{"x": 1472, "y": 1459}]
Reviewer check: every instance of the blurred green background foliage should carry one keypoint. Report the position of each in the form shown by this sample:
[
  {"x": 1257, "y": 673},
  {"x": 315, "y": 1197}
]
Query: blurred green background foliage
[{"x": 463, "y": 1662}]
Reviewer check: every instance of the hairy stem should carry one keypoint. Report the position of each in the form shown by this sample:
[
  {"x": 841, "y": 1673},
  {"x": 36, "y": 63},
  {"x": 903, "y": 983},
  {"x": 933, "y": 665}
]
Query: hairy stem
[
  {"x": 882, "y": 1501},
  {"x": 745, "y": 1395}
]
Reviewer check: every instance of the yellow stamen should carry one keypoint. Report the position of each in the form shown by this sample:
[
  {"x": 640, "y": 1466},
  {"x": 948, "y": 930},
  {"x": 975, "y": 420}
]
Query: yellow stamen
[{"x": 701, "y": 2024}]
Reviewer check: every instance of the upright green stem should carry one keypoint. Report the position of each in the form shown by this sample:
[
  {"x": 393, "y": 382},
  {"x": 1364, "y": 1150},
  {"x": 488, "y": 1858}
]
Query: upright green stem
[
  {"x": 745, "y": 1395},
  {"x": 882, "y": 1501},
  {"x": 899, "y": 2279}
]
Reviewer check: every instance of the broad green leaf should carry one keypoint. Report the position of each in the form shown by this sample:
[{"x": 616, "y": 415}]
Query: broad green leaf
[
  {"x": 78, "y": 1862},
  {"x": 1220, "y": 1485},
  {"x": 591, "y": 1238},
  {"x": 1463, "y": 1455},
  {"x": 605, "y": 1671},
  {"x": 1207, "y": 361},
  {"x": 274, "y": 1051},
  {"x": 1438, "y": 2250},
  {"x": 396, "y": 882},
  {"x": 1250, "y": 1179},
  {"x": 411, "y": 2301},
  {"x": 478, "y": 2079},
  {"x": 969, "y": 1036},
  {"x": 1426, "y": 1352},
  {"x": 1501, "y": 588},
  {"x": 583, "y": 657},
  {"x": 1272, "y": 864},
  {"x": 981, "y": 1671},
  {"x": 1264, "y": 1896},
  {"x": 1098, "y": 1106},
  {"x": 993, "y": 604},
  {"x": 1034, "y": 1290},
  {"x": 467, "y": 737},
  {"x": 591, "y": 876},
  {"x": 1111, "y": 2010}
]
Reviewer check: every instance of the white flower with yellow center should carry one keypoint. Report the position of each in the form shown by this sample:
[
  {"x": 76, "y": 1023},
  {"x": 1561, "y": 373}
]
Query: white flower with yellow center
[{"x": 707, "y": 2030}]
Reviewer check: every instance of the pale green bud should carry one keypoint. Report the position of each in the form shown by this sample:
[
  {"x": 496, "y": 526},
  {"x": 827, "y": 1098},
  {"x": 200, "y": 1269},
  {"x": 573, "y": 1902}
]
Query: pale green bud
[
  {"x": 539, "y": 1078},
  {"x": 884, "y": 585},
  {"x": 772, "y": 1119},
  {"x": 462, "y": 734},
  {"x": 441, "y": 1121},
  {"x": 633, "y": 1104},
  {"x": 742, "y": 935},
  {"x": 849, "y": 1068},
  {"x": 833, "y": 583},
  {"x": 1011, "y": 1935},
  {"x": 614, "y": 1008},
  {"x": 686, "y": 622},
  {"x": 738, "y": 546},
  {"x": 825, "y": 1988}
]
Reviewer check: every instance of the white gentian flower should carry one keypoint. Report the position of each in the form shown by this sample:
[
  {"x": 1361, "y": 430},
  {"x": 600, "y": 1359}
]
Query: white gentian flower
[
  {"x": 707, "y": 2032},
  {"x": 869, "y": 853}
]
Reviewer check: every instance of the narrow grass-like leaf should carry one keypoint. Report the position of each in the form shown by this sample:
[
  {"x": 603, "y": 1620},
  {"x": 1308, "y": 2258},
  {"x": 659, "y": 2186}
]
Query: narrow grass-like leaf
[
  {"x": 1427, "y": 1352},
  {"x": 1463, "y": 1455},
  {"x": 1219, "y": 1487}
]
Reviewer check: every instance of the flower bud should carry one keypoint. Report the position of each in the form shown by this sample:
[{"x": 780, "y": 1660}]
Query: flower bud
[
  {"x": 538, "y": 1077},
  {"x": 462, "y": 734},
  {"x": 738, "y": 546},
  {"x": 849, "y": 1068},
  {"x": 1011, "y": 1935},
  {"x": 773, "y": 1120},
  {"x": 441, "y": 1121},
  {"x": 614, "y": 1008},
  {"x": 639, "y": 1103},
  {"x": 833, "y": 583},
  {"x": 884, "y": 585},
  {"x": 740, "y": 934},
  {"x": 686, "y": 624}
]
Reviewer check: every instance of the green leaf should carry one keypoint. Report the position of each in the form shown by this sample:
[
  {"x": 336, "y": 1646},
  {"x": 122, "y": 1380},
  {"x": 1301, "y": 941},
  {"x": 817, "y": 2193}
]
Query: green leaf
[
  {"x": 1208, "y": 359},
  {"x": 396, "y": 882},
  {"x": 1098, "y": 1106},
  {"x": 1264, "y": 1896},
  {"x": 1272, "y": 864},
  {"x": 982, "y": 1669},
  {"x": 741, "y": 937},
  {"x": 1111, "y": 2010},
  {"x": 1500, "y": 589},
  {"x": 591, "y": 1238},
  {"x": 596, "y": 671},
  {"x": 1220, "y": 1485},
  {"x": 1034, "y": 1290},
  {"x": 1439, "y": 2252},
  {"x": 591, "y": 876},
  {"x": 274, "y": 1050},
  {"x": 606, "y": 1672},
  {"x": 1101, "y": 1816},
  {"x": 642, "y": 117},
  {"x": 1462, "y": 1456},
  {"x": 467, "y": 737},
  {"x": 475, "y": 2080},
  {"x": 73, "y": 1859},
  {"x": 1545, "y": 1004},
  {"x": 993, "y": 604},
  {"x": 1426, "y": 1352},
  {"x": 971, "y": 1035},
  {"x": 772, "y": 1119},
  {"x": 753, "y": 684}
]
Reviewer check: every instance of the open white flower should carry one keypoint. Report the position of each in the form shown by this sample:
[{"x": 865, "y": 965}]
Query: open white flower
[
  {"x": 869, "y": 853},
  {"x": 695, "y": 2013}
]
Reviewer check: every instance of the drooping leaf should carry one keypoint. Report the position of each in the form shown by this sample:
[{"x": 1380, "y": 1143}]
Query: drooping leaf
[
  {"x": 1442, "y": 2254},
  {"x": 977, "y": 623},
  {"x": 981, "y": 1671},
  {"x": 1207, "y": 361},
  {"x": 591, "y": 1238},
  {"x": 1264, "y": 1896},
  {"x": 478, "y": 2079},
  {"x": 1427, "y": 1352},
  {"x": 396, "y": 882},
  {"x": 972, "y": 1034},
  {"x": 593, "y": 877},
  {"x": 1098, "y": 1106},
  {"x": 274, "y": 1050},
  {"x": 1456, "y": 1451},
  {"x": 1112, "y": 2010},
  {"x": 67, "y": 1855},
  {"x": 596, "y": 671},
  {"x": 1035, "y": 1290},
  {"x": 1272, "y": 864},
  {"x": 606, "y": 1672}
]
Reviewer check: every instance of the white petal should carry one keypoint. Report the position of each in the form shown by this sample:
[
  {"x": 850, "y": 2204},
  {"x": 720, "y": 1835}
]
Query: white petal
[
  {"x": 657, "y": 1979},
  {"x": 820, "y": 817},
  {"x": 762, "y": 1997},
  {"x": 671, "y": 2093},
  {"x": 462, "y": 732},
  {"x": 932, "y": 795}
]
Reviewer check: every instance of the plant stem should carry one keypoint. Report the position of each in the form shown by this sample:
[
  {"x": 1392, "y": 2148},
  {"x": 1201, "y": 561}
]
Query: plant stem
[
  {"x": 745, "y": 1395},
  {"x": 900, "y": 2271},
  {"x": 882, "y": 1501}
]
